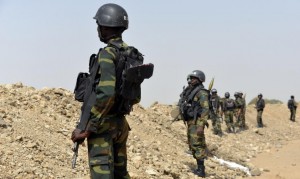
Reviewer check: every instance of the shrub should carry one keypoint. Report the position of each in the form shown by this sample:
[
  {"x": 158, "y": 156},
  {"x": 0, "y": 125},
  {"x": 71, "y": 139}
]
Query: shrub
[{"x": 267, "y": 101}]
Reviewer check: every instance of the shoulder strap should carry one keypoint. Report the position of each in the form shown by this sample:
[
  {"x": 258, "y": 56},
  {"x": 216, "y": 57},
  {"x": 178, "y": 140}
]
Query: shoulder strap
[{"x": 194, "y": 92}]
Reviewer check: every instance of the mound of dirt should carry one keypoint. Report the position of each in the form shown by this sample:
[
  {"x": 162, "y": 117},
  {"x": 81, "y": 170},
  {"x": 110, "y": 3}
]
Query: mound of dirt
[{"x": 35, "y": 128}]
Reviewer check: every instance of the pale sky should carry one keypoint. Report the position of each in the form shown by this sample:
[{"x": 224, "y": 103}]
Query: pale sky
[{"x": 251, "y": 45}]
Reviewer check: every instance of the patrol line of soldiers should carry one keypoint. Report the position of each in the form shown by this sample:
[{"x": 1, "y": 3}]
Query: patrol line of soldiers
[
  {"x": 197, "y": 105},
  {"x": 230, "y": 108}
]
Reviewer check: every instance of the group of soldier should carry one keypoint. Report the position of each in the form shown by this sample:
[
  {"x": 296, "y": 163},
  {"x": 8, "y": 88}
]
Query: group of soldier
[
  {"x": 197, "y": 105},
  {"x": 230, "y": 109}
]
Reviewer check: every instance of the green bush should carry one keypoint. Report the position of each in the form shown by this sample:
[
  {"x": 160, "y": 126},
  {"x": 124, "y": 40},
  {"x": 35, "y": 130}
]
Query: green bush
[{"x": 267, "y": 101}]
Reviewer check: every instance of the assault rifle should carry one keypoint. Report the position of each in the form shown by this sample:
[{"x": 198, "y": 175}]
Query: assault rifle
[
  {"x": 83, "y": 121},
  {"x": 85, "y": 90},
  {"x": 75, "y": 150}
]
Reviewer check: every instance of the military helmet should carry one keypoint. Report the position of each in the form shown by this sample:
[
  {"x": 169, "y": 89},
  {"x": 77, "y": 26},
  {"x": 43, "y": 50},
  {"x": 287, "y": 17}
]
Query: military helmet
[
  {"x": 260, "y": 94},
  {"x": 112, "y": 15},
  {"x": 188, "y": 77},
  {"x": 198, "y": 74},
  {"x": 240, "y": 94},
  {"x": 236, "y": 94},
  {"x": 214, "y": 91},
  {"x": 227, "y": 95},
  {"x": 292, "y": 96}
]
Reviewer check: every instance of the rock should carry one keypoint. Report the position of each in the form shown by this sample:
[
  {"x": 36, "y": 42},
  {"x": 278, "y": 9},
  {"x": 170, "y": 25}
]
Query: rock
[
  {"x": 151, "y": 171},
  {"x": 3, "y": 124},
  {"x": 255, "y": 172}
]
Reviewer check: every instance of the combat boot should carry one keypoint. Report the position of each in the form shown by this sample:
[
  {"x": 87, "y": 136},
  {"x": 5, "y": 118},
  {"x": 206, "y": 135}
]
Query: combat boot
[{"x": 200, "y": 171}]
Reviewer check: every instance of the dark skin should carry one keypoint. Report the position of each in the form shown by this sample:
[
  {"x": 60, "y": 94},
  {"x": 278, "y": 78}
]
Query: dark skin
[
  {"x": 79, "y": 136},
  {"x": 259, "y": 97},
  {"x": 107, "y": 33}
]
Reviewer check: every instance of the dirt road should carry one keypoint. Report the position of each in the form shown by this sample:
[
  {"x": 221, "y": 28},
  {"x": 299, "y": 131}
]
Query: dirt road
[{"x": 282, "y": 162}]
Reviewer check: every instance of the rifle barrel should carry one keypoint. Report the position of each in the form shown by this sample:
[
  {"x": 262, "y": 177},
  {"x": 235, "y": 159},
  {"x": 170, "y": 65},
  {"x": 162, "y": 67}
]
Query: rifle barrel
[{"x": 75, "y": 150}]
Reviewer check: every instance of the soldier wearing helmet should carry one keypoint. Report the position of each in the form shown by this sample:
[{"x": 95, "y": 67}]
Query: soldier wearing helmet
[
  {"x": 107, "y": 131},
  {"x": 228, "y": 109},
  {"x": 240, "y": 110},
  {"x": 195, "y": 110},
  {"x": 260, "y": 105},
  {"x": 292, "y": 105},
  {"x": 215, "y": 112}
]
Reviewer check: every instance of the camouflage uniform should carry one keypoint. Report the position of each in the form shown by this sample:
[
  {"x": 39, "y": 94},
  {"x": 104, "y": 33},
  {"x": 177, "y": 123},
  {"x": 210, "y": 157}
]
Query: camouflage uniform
[
  {"x": 197, "y": 141},
  {"x": 215, "y": 114},
  {"x": 107, "y": 143},
  {"x": 260, "y": 105},
  {"x": 228, "y": 113},
  {"x": 241, "y": 111},
  {"x": 292, "y": 105}
]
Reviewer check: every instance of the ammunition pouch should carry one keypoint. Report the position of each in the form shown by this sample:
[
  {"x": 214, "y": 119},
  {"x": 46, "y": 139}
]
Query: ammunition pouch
[{"x": 82, "y": 83}]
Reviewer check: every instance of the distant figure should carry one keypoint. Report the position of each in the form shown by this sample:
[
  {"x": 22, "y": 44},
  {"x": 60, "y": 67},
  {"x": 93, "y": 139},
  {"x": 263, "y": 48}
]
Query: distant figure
[
  {"x": 215, "y": 112},
  {"x": 236, "y": 110},
  {"x": 241, "y": 110},
  {"x": 228, "y": 107},
  {"x": 292, "y": 105},
  {"x": 260, "y": 105}
]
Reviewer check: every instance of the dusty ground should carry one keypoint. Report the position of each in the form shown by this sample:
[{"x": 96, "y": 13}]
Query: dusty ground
[
  {"x": 35, "y": 127},
  {"x": 282, "y": 163}
]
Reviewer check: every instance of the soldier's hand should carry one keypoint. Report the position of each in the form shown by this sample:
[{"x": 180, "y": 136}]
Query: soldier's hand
[{"x": 79, "y": 136}]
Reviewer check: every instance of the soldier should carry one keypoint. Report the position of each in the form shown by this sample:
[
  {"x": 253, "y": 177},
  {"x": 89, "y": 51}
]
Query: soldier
[
  {"x": 236, "y": 110},
  {"x": 195, "y": 110},
  {"x": 182, "y": 100},
  {"x": 107, "y": 130},
  {"x": 260, "y": 105},
  {"x": 215, "y": 112},
  {"x": 228, "y": 108},
  {"x": 292, "y": 105},
  {"x": 240, "y": 110}
]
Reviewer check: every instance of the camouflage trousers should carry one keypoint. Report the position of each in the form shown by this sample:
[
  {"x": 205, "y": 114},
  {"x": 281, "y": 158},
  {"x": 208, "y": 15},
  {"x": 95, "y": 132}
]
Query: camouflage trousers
[
  {"x": 107, "y": 149},
  {"x": 216, "y": 123},
  {"x": 259, "y": 118},
  {"x": 229, "y": 120},
  {"x": 293, "y": 114},
  {"x": 240, "y": 120},
  {"x": 196, "y": 141}
]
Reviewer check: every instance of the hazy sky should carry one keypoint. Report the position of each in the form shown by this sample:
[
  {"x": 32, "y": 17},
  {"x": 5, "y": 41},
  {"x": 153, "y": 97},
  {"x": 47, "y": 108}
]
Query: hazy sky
[{"x": 251, "y": 45}]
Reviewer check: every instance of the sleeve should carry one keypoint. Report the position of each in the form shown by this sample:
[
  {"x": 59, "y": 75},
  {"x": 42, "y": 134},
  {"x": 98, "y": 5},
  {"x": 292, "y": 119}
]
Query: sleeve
[
  {"x": 202, "y": 98},
  {"x": 105, "y": 90}
]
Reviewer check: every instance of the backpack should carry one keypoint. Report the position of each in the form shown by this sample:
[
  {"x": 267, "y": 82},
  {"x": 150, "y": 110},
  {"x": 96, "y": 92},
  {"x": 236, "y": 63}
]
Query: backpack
[
  {"x": 83, "y": 88},
  {"x": 229, "y": 104},
  {"x": 290, "y": 104},
  {"x": 130, "y": 73}
]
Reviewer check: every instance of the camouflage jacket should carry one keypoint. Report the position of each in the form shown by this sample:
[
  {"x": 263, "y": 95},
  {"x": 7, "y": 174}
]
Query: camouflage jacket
[
  {"x": 215, "y": 101},
  {"x": 202, "y": 98},
  {"x": 105, "y": 90},
  {"x": 260, "y": 104},
  {"x": 292, "y": 104},
  {"x": 240, "y": 103}
]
